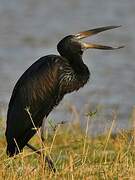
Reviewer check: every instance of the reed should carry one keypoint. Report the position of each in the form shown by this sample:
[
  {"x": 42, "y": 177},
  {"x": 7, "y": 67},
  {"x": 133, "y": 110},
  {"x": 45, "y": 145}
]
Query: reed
[{"x": 76, "y": 155}]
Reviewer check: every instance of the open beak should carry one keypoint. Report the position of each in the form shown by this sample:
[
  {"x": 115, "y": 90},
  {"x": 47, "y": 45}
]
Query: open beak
[{"x": 91, "y": 32}]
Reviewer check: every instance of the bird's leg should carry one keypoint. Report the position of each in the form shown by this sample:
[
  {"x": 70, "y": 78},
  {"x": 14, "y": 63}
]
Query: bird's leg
[
  {"x": 42, "y": 129},
  {"x": 47, "y": 159}
]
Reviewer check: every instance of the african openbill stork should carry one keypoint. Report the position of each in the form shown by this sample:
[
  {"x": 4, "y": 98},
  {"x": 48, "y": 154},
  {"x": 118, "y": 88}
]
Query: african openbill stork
[{"x": 43, "y": 85}]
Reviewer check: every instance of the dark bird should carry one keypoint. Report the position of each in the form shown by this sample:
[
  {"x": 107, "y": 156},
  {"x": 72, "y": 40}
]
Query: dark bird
[{"x": 44, "y": 84}]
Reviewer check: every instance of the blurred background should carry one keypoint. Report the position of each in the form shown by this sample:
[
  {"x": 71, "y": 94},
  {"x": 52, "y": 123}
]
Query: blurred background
[{"x": 30, "y": 29}]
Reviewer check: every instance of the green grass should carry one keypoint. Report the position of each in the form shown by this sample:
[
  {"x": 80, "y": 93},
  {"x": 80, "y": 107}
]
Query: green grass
[{"x": 75, "y": 155}]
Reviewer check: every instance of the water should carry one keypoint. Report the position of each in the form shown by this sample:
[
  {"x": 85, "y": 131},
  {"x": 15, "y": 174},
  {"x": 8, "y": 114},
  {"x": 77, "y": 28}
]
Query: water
[{"x": 30, "y": 29}]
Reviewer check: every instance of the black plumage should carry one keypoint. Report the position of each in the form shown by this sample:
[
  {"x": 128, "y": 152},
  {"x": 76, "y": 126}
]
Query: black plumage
[{"x": 44, "y": 84}]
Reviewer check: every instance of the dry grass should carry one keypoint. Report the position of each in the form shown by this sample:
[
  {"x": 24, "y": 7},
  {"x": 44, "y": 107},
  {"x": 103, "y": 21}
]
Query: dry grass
[{"x": 75, "y": 155}]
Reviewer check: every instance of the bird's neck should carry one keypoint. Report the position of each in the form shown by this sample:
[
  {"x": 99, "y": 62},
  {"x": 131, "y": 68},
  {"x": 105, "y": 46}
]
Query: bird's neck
[{"x": 78, "y": 65}]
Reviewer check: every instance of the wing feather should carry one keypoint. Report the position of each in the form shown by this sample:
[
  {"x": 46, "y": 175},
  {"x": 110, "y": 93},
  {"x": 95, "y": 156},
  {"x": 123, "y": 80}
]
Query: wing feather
[{"x": 36, "y": 89}]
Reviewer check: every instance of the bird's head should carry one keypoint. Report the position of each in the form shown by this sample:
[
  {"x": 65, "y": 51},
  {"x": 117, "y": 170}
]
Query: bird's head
[{"x": 71, "y": 45}]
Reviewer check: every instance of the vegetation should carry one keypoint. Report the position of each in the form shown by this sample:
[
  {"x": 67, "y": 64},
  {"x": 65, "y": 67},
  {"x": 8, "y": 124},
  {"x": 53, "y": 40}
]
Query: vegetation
[{"x": 75, "y": 154}]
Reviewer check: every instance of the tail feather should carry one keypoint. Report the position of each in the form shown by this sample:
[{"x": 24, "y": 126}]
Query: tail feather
[
  {"x": 16, "y": 145},
  {"x": 12, "y": 149}
]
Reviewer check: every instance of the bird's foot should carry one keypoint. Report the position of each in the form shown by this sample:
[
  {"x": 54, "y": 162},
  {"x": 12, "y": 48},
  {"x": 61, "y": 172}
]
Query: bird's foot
[{"x": 50, "y": 164}]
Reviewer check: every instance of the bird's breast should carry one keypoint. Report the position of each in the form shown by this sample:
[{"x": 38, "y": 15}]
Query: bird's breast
[{"x": 69, "y": 80}]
